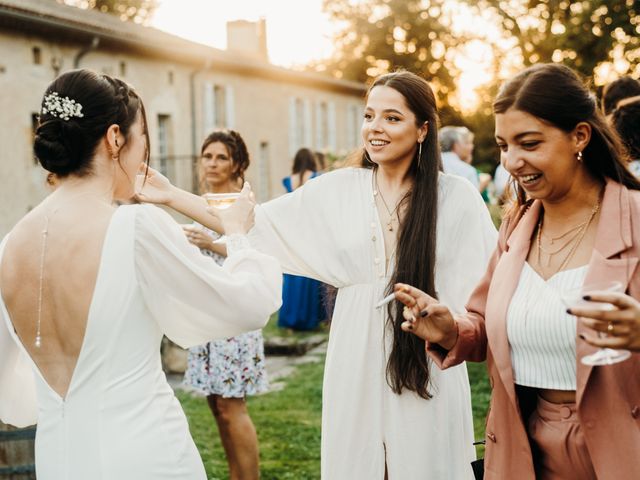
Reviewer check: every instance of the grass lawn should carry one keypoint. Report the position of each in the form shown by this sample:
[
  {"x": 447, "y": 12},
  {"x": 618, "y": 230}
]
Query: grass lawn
[{"x": 288, "y": 425}]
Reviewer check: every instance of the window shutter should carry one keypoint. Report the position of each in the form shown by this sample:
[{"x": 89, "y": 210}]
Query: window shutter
[
  {"x": 230, "y": 110},
  {"x": 209, "y": 109},
  {"x": 331, "y": 116},
  {"x": 293, "y": 141},
  {"x": 308, "y": 132}
]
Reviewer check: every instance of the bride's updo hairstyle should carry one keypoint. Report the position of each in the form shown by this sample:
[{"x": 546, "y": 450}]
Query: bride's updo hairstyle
[{"x": 77, "y": 109}]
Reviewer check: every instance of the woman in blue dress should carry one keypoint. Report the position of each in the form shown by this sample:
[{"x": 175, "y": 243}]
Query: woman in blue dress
[{"x": 301, "y": 308}]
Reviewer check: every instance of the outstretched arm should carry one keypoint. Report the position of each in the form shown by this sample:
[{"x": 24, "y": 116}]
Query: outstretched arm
[{"x": 156, "y": 188}]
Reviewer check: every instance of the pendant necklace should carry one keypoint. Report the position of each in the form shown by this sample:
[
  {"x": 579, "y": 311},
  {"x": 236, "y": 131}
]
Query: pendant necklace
[{"x": 392, "y": 213}]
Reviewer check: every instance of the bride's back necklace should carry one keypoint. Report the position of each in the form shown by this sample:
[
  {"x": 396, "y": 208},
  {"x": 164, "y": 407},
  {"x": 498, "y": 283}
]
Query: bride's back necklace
[{"x": 45, "y": 236}]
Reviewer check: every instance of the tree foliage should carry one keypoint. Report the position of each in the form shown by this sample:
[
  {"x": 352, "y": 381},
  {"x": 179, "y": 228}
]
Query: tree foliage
[
  {"x": 138, "y": 11},
  {"x": 424, "y": 36},
  {"x": 384, "y": 35},
  {"x": 579, "y": 33}
]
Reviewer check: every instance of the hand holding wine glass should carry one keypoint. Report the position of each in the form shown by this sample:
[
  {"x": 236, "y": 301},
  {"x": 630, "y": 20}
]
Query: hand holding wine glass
[
  {"x": 236, "y": 216},
  {"x": 617, "y": 326}
]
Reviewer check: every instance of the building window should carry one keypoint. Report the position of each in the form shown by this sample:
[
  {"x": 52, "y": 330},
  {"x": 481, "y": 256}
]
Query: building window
[
  {"x": 164, "y": 146},
  {"x": 300, "y": 128},
  {"x": 218, "y": 107},
  {"x": 322, "y": 126},
  {"x": 37, "y": 55},
  {"x": 299, "y": 122},
  {"x": 123, "y": 69},
  {"x": 354, "y": 126}
]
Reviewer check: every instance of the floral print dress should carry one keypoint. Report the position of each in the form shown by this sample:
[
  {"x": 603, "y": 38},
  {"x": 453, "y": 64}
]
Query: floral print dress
[{"x": 233, "y": 367}]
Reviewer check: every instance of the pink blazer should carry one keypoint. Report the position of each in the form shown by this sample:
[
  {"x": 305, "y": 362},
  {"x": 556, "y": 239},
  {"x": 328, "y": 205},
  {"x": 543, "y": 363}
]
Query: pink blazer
[{"x": 608, "y": 398}]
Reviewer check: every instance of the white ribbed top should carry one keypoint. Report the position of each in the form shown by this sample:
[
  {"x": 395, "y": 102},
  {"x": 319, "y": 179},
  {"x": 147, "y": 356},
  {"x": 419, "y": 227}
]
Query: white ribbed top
[{"x": 542, "y": 336}]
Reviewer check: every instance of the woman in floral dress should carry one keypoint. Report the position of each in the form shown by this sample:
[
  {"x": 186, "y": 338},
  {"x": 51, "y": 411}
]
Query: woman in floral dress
[{"x": 226, "y": 371}]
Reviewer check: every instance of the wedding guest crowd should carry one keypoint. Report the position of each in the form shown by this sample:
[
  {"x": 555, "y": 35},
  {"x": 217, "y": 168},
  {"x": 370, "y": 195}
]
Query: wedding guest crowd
[{"x": 94, "y": 276}]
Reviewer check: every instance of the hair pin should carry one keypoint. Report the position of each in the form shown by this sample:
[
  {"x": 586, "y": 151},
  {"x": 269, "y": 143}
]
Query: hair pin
[{"x": 61, "y": 107}]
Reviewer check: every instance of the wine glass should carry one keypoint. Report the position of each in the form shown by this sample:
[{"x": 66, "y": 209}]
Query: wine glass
[
  {"x": 574, "y": 298},
  {"x": 221, "y": 201}
]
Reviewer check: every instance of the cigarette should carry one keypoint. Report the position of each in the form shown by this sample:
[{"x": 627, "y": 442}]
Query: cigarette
[{"x": 385, "y": 300}]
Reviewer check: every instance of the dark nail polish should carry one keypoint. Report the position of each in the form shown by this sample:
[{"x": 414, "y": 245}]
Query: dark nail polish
[
  {"x": 569, "y": 311},
  {"x": 586, "y": 297},
  {"x": 424, "y": 313},
  {"x": 410, "y": 327},
  {"x": 582, "y": 337}
]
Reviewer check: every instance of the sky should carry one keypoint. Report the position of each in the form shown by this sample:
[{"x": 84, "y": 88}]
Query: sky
[{"x": 297, "y": 30}]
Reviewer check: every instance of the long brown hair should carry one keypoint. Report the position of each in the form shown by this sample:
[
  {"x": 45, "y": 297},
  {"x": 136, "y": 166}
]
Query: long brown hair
[
  {"x": 408, "y": 366},
  {"x": 303, "y": 161},
  {"x": 554, "y": 93}
]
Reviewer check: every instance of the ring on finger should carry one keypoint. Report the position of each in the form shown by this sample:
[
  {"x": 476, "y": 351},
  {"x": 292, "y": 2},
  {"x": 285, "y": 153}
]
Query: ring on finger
[{"x": 610, "y": 327}]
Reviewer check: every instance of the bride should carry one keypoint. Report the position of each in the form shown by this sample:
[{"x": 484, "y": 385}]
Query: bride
[{"x": 88, "y": 290}]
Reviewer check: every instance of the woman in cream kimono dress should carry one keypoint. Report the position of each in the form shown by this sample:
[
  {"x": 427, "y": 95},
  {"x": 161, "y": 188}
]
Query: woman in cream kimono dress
[{"x": 329, "y": 230}]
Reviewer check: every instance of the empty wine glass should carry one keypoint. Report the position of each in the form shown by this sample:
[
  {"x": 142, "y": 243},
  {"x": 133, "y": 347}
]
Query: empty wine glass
[{"x": 574, "y": 298}]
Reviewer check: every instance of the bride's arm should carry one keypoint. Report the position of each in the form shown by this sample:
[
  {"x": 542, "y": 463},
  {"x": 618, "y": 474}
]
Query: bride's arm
[{"x": 156, "y": 188}]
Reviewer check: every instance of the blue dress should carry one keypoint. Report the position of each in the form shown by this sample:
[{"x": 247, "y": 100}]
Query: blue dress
[{"x": 301, "y": 306}]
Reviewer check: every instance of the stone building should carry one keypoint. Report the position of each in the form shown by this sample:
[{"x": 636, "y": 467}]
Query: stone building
[{"x": 188, "y": 89}]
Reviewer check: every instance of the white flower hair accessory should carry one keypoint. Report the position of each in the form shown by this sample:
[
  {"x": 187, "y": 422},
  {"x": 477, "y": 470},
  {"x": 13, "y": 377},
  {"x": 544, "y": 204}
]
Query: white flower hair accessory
[{"x": 61, "y": 107}]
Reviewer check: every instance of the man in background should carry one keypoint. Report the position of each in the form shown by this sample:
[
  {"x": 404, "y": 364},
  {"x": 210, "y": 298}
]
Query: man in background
[{"x": 457, "y": 149}]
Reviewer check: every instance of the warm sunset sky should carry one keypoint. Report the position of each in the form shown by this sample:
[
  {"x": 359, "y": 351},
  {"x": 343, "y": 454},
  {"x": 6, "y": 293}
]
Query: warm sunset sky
[{"x": 297, "y": 30}]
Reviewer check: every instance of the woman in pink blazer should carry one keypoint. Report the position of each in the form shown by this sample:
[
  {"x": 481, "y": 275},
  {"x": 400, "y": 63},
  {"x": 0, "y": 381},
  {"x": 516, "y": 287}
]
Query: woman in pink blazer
[{"x": 576, "y": 224}]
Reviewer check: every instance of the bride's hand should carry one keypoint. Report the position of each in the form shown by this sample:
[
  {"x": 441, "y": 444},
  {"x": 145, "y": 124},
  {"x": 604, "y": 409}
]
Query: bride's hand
[
  {"x": 152, "y": 188},
  {"x": 239, "y": 217}
]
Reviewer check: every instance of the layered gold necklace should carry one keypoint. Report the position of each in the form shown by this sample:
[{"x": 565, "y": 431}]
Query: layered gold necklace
[{"x": 569, "y": 240}]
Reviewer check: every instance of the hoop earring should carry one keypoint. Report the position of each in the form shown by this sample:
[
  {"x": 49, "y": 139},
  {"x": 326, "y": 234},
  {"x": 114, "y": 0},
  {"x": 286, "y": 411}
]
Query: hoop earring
[{"x": 579, "y": 156}]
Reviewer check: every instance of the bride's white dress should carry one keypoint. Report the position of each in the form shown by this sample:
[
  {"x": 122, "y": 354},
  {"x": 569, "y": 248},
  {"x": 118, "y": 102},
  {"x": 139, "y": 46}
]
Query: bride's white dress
[{"x": 120, "y": 419}]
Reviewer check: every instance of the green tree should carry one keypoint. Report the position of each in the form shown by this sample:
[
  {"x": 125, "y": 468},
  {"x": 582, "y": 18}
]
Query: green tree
[
  {"x": 138, "y": 11},
  {"x": 423, "y": 36},
  {"x": 579, "y": 33},
  {"x": 382, "y": 35}
]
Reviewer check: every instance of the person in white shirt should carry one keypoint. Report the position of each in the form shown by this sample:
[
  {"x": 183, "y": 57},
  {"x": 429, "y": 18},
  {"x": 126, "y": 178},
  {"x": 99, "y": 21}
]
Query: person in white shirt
[{"x": 456, "y": 144}]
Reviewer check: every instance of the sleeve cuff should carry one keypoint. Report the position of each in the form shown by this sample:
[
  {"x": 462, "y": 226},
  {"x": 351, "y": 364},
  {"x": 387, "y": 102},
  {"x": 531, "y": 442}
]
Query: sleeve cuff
[{"x": 236, "y": 243}]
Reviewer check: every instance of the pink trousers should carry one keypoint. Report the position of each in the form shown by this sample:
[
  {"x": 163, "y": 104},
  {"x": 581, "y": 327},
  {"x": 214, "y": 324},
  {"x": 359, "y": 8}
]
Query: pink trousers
[{"x": 560, "y": 449}]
